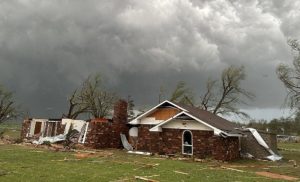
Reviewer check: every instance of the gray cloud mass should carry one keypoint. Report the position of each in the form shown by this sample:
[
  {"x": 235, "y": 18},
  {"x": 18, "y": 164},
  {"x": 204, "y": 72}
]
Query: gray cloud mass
[{"x": 47, "y": 48}]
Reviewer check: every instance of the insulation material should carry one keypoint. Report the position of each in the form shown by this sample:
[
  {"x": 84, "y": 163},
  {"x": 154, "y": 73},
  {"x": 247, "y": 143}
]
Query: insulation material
[
  {"x": 50, "y": 139},
  {"x": 75, "y": 124},
  {"x": 260, "y": 140}
]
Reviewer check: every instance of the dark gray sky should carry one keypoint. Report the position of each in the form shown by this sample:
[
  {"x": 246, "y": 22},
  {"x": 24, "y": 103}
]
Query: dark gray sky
[{"x": 47, "y": 48}]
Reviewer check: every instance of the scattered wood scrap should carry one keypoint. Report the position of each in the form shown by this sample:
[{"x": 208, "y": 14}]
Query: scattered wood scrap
[
  {"x": 182, "y": 159},
  {"x": 232, "y": 169},
  {"x": 146, "y": 165},
  {"x": 65, "y": 159},
  {"x": 180, "y": 172},
  {"x": 294, "y": 163},
  {"x": 145, "y": 179},
  {"x": 199, "y": 160}
]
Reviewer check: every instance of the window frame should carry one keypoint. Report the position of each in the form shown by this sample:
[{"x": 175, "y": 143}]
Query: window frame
[{"x": 187, "y": 145}]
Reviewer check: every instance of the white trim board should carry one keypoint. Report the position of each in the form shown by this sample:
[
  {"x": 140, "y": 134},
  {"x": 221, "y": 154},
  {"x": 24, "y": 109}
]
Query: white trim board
[{"x": 136, "y": 120}]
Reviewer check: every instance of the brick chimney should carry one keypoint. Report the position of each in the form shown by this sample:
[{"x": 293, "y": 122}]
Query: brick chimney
[{"x": 120, "y": 112}]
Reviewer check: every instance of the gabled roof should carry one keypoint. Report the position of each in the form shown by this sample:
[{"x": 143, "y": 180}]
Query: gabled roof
[
  {"x": 205, "y": 117},
  {"x": 135, "y": 121},
  {"x": 210, "y": 118}
]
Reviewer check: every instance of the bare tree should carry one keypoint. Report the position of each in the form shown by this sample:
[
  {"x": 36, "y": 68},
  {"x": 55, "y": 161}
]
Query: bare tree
[
  {"x": 96, "y": 98},
  {"x": 225, "y": 96},
  {"x": 76, "y": 105},
  {"x": 182, "y": 94},
  {"x": 231, "y": 92},
  {"x": 208, "y": 97},
  {"x": 8, "y": 109},
  {"x": 90, "y": 98},
  {"x": 290, "y": 77}
]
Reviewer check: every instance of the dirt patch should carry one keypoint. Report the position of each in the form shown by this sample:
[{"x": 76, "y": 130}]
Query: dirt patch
[{"x": 276, "y": 176}]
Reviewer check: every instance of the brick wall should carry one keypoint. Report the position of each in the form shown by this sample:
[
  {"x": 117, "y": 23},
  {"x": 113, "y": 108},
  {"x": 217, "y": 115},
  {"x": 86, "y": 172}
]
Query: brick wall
[
  {"x": 225, "y": 148},
  {"x": 205, "y": 144},
  {"x": 270, "y": 139},
  {"x": 250, "y": 145},
  {"x": 105, "y": 133}
]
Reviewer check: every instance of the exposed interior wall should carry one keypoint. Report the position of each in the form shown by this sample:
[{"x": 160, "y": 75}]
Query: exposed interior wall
[
  {"x": 164, "y": 113},
  {"x": 30, "y": 128},
  {"x": 159, "y": 115}
]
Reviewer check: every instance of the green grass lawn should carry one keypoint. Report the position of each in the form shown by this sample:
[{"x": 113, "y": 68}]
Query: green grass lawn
[
  {"x": 289, "y": 146},
  {"x": 23, "y": 163},
  {"x": 11, "y": 129},
  {"x": 26, "y": 163}
]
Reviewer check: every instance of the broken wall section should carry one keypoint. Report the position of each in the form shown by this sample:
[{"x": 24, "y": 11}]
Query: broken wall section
[
  {"x": 104, "y": 133},
  {"x": 46, "y": 128},
  {"x": 250, "y": 145}
]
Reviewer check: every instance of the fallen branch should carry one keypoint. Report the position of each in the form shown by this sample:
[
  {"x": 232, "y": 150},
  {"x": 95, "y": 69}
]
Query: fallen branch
[
  {"x": 179, "y": 172},
  {"x": 232, "y": 169},
  {"x": 145, "y": 179}
]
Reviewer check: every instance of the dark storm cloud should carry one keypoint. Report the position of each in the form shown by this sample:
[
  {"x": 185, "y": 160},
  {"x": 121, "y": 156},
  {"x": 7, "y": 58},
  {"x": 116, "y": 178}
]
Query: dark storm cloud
[{"x": 47, "y": 48}]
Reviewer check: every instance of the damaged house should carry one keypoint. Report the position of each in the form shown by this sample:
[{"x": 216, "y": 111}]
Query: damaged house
[
  {"x": 169, "y": 128},
  {"x": 95, "y": 133},
  {"x": 174, "y": 128}
]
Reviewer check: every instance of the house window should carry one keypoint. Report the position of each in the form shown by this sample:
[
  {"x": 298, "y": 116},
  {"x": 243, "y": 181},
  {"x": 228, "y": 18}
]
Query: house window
[
  {"x": 37, "y": 128},
  {"x": 187, "y": 142}
]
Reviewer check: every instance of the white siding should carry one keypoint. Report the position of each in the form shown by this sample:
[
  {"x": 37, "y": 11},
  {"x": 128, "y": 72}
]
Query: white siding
[
  {"x": 186, "y": 124},
  {"x": 150, "y": 120}
]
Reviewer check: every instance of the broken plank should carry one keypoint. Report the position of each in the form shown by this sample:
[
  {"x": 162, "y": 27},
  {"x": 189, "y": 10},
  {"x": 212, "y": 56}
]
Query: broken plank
[
  {"x": 232, "y": 169},
  {"x": 180, "y": 172},
  {"x": 145, "y": 179}
]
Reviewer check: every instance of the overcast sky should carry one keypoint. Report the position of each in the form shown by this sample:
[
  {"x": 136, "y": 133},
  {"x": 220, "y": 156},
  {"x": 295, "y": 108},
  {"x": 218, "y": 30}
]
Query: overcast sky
[{"x": 48, "y": 47}]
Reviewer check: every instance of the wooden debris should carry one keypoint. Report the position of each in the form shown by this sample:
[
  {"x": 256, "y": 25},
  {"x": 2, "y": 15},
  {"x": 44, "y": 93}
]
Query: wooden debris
[
  {"x": 157, "y": 158},
  {"x": 232, "y": 169},
  {"x": 155, "y": 175},
  {"x": 37, "y": 151},
  {"x": 183, "y": 159},
  {"x": 199, "y": 160},
  {"x": 146, "y": 165},
  {"x": 294, "y": 163},
  {"x": 145, "y": 179},
  {"x": 179, "y": 172},
  {"x": 65, "y": 159}
]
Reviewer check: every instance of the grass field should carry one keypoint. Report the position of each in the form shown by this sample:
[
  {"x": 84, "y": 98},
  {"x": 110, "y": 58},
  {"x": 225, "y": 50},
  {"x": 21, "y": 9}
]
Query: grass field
[
  {"x": 20, "y": 163},
  {"x": 27, "y": 163},
  {"x": 11, "y": 129}
]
